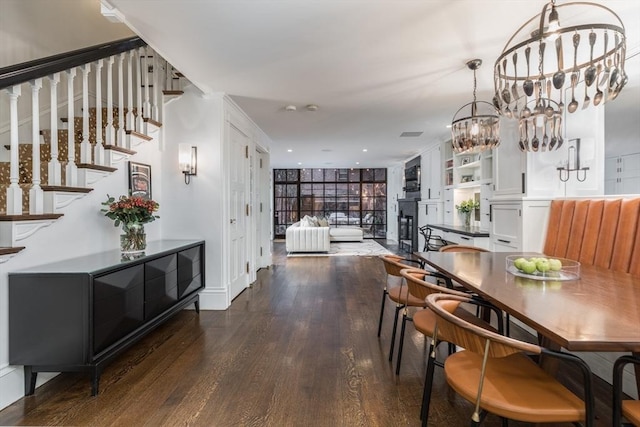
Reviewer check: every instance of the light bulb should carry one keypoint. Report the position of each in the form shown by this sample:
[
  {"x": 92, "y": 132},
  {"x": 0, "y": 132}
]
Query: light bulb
[{"x": 475, "y": 129}]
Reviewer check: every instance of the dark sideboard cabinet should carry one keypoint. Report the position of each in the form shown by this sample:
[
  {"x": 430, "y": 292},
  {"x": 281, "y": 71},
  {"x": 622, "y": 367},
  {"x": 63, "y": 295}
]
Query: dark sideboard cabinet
[{"x": 77, "y": 314}]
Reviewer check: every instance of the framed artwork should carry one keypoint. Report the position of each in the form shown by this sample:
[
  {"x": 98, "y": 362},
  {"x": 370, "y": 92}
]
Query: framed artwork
[
  {"x": 140, "y": 180},
  {"x": 467, "y": 178}
]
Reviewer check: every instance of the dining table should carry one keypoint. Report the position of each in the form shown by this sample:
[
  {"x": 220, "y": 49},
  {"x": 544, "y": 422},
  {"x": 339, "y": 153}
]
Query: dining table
[{"x": 597, "y": 312}]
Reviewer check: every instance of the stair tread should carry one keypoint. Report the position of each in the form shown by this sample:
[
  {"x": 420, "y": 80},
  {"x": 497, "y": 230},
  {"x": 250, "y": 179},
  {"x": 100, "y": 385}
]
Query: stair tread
[
  {"x": 9, "y": 251},
  {"x": 119, "y": 149},
  {"x": 153, "y": 122},
  {"x": 95, "y": 167},
  {"x": 138, "y": 134},
  {"x": 28, "y": 217},
  {"x": 173, "y": 92},
  {"x": 67, "y": 189}
]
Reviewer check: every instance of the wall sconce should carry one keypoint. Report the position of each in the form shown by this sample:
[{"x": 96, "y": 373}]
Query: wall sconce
[
  {"x": 188, "y": 158},
  {"x": 574, "y": 154}
]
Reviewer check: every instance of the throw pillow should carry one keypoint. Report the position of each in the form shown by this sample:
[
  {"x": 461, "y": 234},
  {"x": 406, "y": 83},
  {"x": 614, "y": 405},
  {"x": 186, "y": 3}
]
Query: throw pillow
[{"x": 322, "y": 222}]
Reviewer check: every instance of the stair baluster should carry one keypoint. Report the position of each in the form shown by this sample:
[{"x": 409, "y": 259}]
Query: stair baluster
[
  {"x": 120, "y": 142},
  {"x": 129, "y": 120},
  {"x": 85, "y": 146},
  {"x": 36, "y": 195},
  {"x": 139, "y": 122},
  {"x": 71, "y": 170},
  {"x": 98, "y": 148},
  {"x": 109, "y": 130},
  {"x": 55, "y": 169},
  {"x": 14, "y": 192}
]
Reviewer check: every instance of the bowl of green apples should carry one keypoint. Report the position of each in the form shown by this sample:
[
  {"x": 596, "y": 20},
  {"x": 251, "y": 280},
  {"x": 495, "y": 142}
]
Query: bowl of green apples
[{"x": 543, "y": 268}]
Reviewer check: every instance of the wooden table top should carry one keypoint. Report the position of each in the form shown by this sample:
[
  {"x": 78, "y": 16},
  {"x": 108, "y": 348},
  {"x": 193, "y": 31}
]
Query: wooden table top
[{"x": 598, "y": 312}]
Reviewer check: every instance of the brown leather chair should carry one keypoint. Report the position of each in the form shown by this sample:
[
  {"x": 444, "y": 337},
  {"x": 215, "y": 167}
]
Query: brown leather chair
[
  {"x": 466, "y": 248},
  {"x": 494, "y": 373},
  {"x": 399, "y": 294},
  {"x": 423, "y": 319},
  {"x": 629, "y": 409}
]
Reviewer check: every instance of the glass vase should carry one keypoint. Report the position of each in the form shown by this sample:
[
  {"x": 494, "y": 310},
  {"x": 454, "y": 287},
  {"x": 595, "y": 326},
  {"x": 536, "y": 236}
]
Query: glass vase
[
  {"x": 133, "y": 239},
  {"x": 467, "y": 219}
]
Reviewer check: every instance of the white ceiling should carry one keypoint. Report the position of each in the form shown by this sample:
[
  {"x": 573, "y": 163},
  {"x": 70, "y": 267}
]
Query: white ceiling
[{"x": 375, "y": 68}]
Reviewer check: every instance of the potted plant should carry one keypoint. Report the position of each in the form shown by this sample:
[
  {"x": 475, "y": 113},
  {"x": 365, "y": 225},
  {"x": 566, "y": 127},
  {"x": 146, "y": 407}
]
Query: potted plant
[{"x": 132, "y": 213}]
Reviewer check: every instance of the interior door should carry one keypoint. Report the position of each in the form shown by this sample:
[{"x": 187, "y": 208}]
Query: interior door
[{"x": 238, "y": 181}]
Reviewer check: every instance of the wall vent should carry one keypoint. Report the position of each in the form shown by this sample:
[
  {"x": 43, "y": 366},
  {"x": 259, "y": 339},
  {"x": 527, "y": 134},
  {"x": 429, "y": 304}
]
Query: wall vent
[{"x": 410, "y": 134}]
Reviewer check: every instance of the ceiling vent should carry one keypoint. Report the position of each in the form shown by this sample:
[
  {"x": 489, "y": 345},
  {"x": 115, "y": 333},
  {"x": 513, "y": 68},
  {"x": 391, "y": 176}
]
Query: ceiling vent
[{"x": 410, "y": 134}]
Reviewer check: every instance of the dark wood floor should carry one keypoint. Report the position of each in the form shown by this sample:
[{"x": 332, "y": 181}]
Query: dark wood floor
[{"x": 298, "y": 348}]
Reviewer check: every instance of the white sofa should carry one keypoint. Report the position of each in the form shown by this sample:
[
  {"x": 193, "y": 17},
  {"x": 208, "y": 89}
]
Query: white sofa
[{"x": 317, "y": 239}]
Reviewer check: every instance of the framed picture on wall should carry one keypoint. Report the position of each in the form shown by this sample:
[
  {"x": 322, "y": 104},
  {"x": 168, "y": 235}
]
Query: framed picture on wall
[{"x": 140, "y": 180}]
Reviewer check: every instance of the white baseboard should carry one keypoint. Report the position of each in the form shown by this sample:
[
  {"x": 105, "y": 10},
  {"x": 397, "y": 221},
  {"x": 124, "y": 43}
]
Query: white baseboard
[
  {"x": 12, "y": 384},
  {"x": 214, "y": 299}
]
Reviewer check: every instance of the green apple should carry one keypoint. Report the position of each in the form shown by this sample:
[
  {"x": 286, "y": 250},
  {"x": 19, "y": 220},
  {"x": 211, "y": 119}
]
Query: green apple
[
  {"x": 528, "y": 267},
  {"x": 555, "y": 264},
  {"x": 518, "y": 262},
  {"x": 542, "y": 265}
]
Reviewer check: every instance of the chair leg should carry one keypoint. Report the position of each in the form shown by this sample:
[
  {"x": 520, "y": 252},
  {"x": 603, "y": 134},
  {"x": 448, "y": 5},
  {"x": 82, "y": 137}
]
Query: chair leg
[
  {"x": 428, "y": 385},
  {"x": 401, "y": 344},
  {"x": 384, "y": 300},
  {"x": 505, "y": 422},
  {"x": 395, "y": 327}
]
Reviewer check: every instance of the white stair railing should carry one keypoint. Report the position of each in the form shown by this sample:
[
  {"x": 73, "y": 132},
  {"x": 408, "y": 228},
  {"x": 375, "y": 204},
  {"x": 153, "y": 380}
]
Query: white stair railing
[{"x": 148, "y": 73}]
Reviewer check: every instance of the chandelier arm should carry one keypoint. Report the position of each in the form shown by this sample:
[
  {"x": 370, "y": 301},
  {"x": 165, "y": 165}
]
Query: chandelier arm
[{"x": 620, "y": 30}]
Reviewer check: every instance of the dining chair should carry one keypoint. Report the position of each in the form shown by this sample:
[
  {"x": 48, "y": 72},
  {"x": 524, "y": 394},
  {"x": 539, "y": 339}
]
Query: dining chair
[
  {"x": 629, "y": 409},
  {"x": 396, "y": 292},
  {"x": 495, "y": 374},
  {"x": 466, "y": 248},
  {"x": 424, "y": 320},
  {"x": 432, "y": 242}
]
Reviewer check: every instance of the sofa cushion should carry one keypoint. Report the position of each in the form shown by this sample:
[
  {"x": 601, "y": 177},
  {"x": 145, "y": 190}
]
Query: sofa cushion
[
  {"x": 308, "y": 221},
  {"x": 346, "y": 234}
]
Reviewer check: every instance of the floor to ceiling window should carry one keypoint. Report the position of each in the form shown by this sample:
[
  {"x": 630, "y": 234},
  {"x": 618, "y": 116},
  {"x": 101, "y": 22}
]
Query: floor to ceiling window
[{"x": 345, "y": 197}]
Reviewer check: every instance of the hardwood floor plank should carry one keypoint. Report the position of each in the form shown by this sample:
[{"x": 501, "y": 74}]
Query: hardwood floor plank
[{"x": 297, "y": 348}]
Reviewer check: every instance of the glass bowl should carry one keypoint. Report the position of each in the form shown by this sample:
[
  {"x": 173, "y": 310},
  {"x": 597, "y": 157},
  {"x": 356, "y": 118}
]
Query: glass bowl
[{"x": 539, "y": 269}]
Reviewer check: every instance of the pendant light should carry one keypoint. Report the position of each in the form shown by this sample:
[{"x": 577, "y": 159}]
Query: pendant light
[
  {"x": 575, "y": 52},
  {"x": 476, "y": 125}
]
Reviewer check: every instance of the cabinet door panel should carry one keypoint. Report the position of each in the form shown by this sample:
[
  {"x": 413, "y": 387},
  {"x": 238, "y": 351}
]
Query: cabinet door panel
[
  {"x": 118, "y": 305},
  {"x": 189, "y": 271},
  {"x": 160, "y": 285}
]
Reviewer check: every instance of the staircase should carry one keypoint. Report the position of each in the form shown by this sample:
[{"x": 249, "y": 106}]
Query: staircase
[{"x": 68, "y": 146}]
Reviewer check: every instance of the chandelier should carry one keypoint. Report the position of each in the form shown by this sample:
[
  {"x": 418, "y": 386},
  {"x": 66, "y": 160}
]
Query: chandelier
[
  {"x": 476, "y": 125},
  {"x": 574, "y": 61}
]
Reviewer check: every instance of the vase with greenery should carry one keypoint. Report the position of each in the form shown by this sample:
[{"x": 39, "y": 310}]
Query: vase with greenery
[
  {"x": 466, "y": 208},
  {"x": 131, "y": 213}
]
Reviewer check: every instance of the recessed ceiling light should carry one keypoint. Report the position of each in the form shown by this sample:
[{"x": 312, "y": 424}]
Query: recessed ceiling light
[
  {"x": 448, "y": 126},
  {"x": 290, "y": 108},
  {"x": 312, "y": 107},
  {"x": 364, "y": 150},
  {"x": 299, "y": 163},
  {"x": 289, "y": 150},
  {"x": 357, "y": 163},
  {"x": 326, "y": 150}
]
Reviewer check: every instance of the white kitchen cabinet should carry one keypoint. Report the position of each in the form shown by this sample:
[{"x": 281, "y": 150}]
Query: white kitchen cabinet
[
  {"x": 519, "y": 225},
  {"x": 622, "y": 174},
  {"x": 431, "y": 171},
  {"x": 448, "y": 206}
]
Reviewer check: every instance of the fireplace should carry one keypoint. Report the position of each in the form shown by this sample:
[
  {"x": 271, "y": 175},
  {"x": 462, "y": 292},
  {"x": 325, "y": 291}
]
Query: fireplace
[{"x": 408, "y": 224}]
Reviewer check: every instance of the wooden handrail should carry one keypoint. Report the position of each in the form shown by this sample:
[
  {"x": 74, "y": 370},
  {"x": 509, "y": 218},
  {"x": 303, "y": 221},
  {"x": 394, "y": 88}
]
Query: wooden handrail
[{"x": 25, "y": 71}]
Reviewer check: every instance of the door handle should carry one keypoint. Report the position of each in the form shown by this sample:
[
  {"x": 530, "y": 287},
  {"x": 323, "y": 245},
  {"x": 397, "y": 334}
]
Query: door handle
[{"x": 233, "y": 221}]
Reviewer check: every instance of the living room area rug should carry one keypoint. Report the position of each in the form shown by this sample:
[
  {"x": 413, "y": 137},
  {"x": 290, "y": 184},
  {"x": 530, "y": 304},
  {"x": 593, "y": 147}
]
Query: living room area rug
[{"x": 364, "y": 248}]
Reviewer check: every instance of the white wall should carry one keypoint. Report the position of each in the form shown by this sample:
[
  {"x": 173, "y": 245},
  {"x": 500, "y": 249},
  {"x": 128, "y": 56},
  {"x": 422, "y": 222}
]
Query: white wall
[{"x": 196, "y": 210}]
